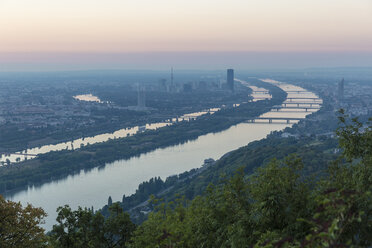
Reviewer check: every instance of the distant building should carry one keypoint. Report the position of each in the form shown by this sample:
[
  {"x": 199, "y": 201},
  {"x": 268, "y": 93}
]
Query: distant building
[
  {"x": 230, "y": 79},
  {"x": 187, "y": 87},
  {"x": 341, "y": 87},
  {"x": 141, "y": 100}
]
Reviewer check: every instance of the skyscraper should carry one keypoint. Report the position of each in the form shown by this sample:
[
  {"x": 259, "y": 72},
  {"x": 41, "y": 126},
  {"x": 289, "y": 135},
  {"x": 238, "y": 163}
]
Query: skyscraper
[
  {"x": 230, "y": 79},
  {"x": 341, "y": 90}
]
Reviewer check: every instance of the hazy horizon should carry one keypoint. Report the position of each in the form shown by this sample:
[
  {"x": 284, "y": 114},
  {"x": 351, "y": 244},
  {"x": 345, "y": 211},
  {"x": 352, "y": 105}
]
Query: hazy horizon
[
  {"x": 58, "y": 35},
  {"x": 181, "y": 60}
]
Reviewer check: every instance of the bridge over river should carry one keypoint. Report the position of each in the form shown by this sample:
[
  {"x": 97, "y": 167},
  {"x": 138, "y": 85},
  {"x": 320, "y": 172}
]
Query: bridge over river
[
  {"x": 289, "y": 104},
  {"x": 293, "y": 109},
  {"x": 298, "y": 104},
  {"x": 92, "y": 187},
  {"x": 285, "y": 120}
]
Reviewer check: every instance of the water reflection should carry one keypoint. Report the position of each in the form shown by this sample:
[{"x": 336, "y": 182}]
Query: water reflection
[
  {"x": 298, "y": 104},
  {"x": 92, "y": 188},
  {"x": 88, "y": 98},
  {"x": 78, "y": 143},
  {"x": 258, "y": 93}
]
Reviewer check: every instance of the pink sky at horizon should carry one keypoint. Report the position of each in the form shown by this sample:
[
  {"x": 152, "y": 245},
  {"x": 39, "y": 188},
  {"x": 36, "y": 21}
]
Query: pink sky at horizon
[
  {"x": 40, "y": 31},
  {"x": 181, "y": 25}
]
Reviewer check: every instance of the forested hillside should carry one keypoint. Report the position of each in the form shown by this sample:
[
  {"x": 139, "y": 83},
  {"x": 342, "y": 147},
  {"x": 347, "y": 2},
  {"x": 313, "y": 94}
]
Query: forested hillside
[
  {"x": 278, "y": 205},
  {"x": 316, "y": 152}
]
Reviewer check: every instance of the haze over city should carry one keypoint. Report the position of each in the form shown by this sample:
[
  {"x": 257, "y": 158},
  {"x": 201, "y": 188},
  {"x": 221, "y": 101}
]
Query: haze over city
[
  {"x": 185, "y": 123},
  {"x": 113, "y": 34}
]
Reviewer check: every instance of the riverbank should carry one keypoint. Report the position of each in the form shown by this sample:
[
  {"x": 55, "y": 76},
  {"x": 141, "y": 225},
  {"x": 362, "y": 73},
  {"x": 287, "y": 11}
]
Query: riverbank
[
  {"x": 56, "y": 165},
  {"x": 90, "y": 188},
  {"x": 52, "y": 122}
]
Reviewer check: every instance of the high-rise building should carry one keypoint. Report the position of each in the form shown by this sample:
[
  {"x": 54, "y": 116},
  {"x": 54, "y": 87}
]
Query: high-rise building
[
  {"x": 141, "y": 100},
  {"x": 230, "y": 79},
  {"x": 341, "y": 90}
]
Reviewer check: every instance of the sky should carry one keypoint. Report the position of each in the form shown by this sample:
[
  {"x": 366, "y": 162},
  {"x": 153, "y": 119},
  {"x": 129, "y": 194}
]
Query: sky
[{"x": 49, "y": 34}]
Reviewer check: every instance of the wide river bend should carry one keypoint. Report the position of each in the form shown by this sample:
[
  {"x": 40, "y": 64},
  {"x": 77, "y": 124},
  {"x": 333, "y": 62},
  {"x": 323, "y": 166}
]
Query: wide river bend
[{"x": 93, "y": 188}]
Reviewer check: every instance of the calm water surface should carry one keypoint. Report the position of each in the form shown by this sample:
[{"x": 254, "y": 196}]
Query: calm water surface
[
  {"x": 124, "y": 176},
  {"x": 92, "y": 188}
]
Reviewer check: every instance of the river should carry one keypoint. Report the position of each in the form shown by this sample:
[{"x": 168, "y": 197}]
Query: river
[
  {"x": 93, "y": 188},
  {"x": 77, "y": 143}
]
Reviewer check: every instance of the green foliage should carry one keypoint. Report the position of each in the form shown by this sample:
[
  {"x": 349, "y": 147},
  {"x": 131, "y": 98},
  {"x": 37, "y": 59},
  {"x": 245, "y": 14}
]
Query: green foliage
[
  {"x": 315, "y": 158},
  {"x": 337, "y": 221},
  {"x": 276, "y": 206},
  {"x": 356, "y": 140},
  {"x": 19, "y": 226},
  {"x": 236, "y": 213},
  {"x": 281, "y": 196},
  {"x": 83, "y": 228}
]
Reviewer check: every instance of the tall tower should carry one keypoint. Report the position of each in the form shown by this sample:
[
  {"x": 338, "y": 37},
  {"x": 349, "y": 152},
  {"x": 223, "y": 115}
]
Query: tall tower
[
  {"x": 341, "y": 90},
  {"x": 230, "y": 79},
  {"x": 141, "y": 100}
]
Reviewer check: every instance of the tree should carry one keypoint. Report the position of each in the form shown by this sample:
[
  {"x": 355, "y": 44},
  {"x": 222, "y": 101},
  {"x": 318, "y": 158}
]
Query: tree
[
  {"x": 118, "y": 227},
  {"x": 20, "y": 226},
  {"x": 83, "y": 228},
  {"x": 277, "y": 206},
  {"x": 343, "y": 213},
  {"x": 73, "y": 228}
]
